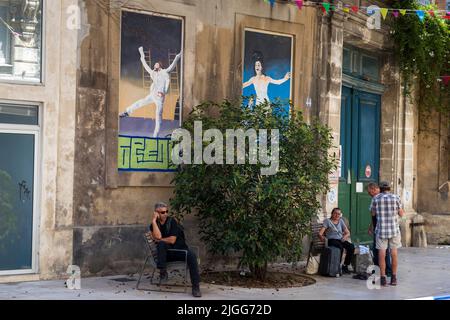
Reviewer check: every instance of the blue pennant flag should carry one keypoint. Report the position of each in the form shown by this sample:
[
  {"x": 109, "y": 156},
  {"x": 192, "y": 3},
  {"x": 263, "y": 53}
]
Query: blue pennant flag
[
  {"x": 272, "y": 2},
  {"x": 420, "y": 14}
]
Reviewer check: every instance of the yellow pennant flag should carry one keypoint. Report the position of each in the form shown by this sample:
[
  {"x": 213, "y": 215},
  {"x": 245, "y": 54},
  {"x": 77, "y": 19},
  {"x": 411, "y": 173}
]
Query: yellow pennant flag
[
  {"x": 402, "y": 11},
  {"x": 346, "y": 10},
  {"x": 384, "y": 12}
]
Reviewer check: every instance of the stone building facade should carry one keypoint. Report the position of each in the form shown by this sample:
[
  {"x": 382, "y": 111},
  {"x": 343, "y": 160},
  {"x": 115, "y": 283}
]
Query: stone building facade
[{"x": 90, "y": 214}]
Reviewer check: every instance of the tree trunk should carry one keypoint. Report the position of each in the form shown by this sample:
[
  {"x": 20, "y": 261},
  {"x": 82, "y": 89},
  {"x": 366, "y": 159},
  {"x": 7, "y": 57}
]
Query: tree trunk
[{"x": 259, "y": 272}]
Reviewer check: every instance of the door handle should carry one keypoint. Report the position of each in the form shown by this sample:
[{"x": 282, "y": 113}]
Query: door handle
[{"x": 349, "y": 177}]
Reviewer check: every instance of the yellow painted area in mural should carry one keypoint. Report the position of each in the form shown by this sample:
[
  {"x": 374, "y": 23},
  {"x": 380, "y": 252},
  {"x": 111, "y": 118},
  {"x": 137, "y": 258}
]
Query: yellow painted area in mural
[
  {"x": 145, "y": 154},
  {"x": 132, "y": 91}
]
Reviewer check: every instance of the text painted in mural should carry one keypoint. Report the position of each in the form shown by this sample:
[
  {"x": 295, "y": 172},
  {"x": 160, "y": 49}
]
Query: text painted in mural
[{"x": 145, "y": 154}]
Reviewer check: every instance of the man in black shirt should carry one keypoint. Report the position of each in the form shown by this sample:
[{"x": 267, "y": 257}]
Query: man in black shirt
[{"x": 169, "y": 235}]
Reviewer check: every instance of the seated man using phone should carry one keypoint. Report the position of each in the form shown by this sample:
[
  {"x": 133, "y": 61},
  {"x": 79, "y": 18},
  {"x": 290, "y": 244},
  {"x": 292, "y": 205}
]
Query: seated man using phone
[{"x": 169, "y": 235}]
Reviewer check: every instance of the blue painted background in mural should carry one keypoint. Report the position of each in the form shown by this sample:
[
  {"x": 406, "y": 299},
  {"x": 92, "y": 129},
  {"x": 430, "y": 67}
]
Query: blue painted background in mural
[{"x": 275, "y": 52}]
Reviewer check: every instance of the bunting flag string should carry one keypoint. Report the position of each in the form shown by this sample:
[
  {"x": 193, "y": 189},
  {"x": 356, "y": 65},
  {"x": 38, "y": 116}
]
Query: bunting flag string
[
  {"x": 384, "y": 12},
  {"x": 420, "y": 14},
  {"x": 299, "y": 4},
  {"x": 326, "y": 7}
]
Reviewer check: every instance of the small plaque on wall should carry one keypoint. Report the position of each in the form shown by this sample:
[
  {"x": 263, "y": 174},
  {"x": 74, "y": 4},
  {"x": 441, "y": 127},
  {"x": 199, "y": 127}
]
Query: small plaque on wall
[{"x": 359, "y": 187}]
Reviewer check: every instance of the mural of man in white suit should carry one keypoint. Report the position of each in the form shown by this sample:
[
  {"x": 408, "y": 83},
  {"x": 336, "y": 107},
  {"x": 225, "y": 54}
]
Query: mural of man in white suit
[{"x": 158, "y": 90}]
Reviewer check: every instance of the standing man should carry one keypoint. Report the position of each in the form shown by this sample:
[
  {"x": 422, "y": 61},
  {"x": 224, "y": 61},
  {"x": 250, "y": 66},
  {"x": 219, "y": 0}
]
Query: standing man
[
  {"x": 169, "y": 235},
  {"x": 374, "y": 190},
  {"x": 158, "y": 90},
  {"x": 386, "y": 207}
]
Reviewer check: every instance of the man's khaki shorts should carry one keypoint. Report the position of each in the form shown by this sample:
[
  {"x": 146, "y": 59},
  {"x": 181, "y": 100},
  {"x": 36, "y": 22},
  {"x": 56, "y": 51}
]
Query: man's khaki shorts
[{"x": 394, "y": 243}]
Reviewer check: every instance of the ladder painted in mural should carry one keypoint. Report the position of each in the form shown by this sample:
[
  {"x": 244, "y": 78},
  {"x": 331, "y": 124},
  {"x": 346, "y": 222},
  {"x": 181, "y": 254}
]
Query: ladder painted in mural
[
  {"x": 175, "y": 85},
  {"x": 146, "y": 79},
  {"x": 174, "y": 88}
]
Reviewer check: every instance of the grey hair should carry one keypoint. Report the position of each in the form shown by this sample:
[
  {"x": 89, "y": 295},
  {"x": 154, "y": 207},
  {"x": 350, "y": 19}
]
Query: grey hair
[{"x": 160, "y": 205}]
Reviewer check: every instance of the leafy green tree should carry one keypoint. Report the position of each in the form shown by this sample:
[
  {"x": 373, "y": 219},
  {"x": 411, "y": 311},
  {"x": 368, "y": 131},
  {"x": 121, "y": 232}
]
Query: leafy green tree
[
  {"x": 423, "y": 51},
  {"x": 262, "y": 217}
]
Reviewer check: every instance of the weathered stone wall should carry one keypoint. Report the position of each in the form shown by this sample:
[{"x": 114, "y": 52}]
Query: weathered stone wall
[
  {"x": 398, "y": 119},
  {"x": 57, "y": 99},
  {"x": 111, "y": 209},
  {"x": 433, "y": 176}
]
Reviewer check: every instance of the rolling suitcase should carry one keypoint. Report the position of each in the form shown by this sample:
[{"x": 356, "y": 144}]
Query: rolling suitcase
[{"x": 330, "y": 262}]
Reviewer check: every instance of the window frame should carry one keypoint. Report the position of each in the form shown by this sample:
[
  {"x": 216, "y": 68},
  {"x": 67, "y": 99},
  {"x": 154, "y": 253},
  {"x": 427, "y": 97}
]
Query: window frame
[
  {"x": 41, "y": 81},
  {"x": 356, "y": 63},
  {"x": 35, "y": 130}
]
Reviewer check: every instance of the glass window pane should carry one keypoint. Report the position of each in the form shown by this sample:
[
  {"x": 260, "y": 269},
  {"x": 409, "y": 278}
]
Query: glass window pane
[
  {"x": 347, "y": 61},
  {"x": 20, "y": 40},
  {"x": 16, "y": 201},
  {"x": 356, "y": 59},
  {"x": 370, "y": 70},
  {"x": 18, "y": 114}
]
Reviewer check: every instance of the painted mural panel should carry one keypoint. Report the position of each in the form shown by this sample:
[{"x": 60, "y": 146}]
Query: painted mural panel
[
  {"x": 150, "y": 97},
  {"x": 267, "y": 70}
]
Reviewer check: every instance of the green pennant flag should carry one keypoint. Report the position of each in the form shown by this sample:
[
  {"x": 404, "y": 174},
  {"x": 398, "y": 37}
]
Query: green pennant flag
[{"x": 326, "y": 6}]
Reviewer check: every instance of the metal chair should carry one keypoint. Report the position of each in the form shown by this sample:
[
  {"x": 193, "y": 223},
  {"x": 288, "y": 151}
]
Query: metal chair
[
  {"x": 151, "y": 249},
  {"x": 316, "y": 244}
]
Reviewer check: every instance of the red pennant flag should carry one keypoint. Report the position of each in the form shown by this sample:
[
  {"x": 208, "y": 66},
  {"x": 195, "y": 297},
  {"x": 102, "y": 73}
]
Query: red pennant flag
[
  {"x": 299, "y": 4},
  {"x": 446, "y": 79},
  {"x": 431, "y": 13},
  {"x": 355, "y": 9}
]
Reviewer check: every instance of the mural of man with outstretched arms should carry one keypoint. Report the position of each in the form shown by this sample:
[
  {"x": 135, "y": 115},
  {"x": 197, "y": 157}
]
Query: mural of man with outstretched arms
[{"x": 158, "y": 90}]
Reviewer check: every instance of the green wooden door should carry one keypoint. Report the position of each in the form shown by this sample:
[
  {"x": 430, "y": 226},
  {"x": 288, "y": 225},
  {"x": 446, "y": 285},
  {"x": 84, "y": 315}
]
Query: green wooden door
[{"x": 360, "y": 151}]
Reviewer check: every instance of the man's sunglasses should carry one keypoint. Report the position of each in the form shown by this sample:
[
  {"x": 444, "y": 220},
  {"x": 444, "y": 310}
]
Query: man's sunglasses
[{"x": 163, "y": 212}]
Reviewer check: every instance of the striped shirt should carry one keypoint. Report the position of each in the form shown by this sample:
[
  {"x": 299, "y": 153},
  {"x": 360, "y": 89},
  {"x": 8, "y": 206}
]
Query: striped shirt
[{"x": 386, "y": 205}]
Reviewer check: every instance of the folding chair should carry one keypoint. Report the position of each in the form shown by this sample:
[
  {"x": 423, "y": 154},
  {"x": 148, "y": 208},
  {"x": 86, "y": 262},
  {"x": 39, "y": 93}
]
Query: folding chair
[{"x": 150, "y": 259}]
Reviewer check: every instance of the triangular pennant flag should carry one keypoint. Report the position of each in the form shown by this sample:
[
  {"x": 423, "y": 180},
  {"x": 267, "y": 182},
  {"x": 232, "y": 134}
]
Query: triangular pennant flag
[
  {"x": 446, "y": 79},
  {"x": 447, "y": 16},
  {"x": 395, "y": 13},
  {"x": 403, "y": 12},
  {"x": 346, "y": 10},
  {"x": 326, "y": 7},
  {"x": 299, "y": 4},
  {"x": 272, "y": 2},
  {"x": 384, "y": 12},
  {"x": 431, "y": 13},
  {"x": 333, "y": 8},
  {"x": 355, "y": 9},
  {"x": 420, "y": 14}
]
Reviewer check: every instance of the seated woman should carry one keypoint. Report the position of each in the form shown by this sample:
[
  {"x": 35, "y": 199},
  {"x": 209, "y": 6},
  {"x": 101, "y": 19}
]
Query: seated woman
[{"x": 338, "y": 234}]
